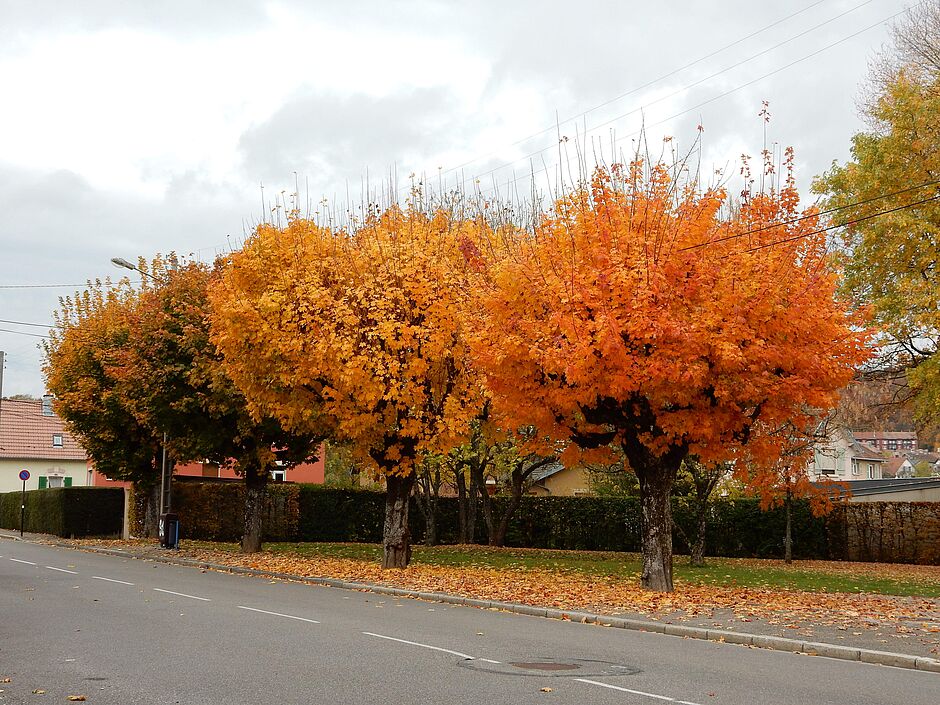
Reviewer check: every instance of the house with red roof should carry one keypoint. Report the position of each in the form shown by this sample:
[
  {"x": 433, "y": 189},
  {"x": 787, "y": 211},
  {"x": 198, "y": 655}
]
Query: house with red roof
[{"x": 33, "y": 438}]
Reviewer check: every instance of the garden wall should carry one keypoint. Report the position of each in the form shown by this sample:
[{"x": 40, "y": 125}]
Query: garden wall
[{"x": 887, "y": 532}]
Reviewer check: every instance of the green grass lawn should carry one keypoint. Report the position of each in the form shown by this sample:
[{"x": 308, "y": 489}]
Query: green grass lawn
[{"x": 830, "y": 577}]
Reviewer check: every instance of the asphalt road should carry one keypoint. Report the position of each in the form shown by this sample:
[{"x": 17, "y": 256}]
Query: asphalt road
[{"x": 127, "y": 631}]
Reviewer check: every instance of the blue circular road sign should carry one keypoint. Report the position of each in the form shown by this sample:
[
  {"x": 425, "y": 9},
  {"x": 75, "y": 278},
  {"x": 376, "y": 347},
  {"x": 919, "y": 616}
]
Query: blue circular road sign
[{"x": 24, "y": 475}]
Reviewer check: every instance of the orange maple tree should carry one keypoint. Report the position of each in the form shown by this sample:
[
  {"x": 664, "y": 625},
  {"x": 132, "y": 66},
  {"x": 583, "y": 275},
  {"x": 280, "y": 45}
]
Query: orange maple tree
[
  {"x": 651, "y": 315},
  {"x": 358, "y": 333},
  {"x": 82, "y": 367}
]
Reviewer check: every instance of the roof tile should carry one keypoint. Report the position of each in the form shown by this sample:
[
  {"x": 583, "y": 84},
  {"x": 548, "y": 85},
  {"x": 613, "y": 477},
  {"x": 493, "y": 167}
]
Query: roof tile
[{"x": 26, "y": 433}]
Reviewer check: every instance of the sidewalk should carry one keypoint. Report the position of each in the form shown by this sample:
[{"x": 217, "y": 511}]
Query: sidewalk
[{"x": 907, "y": 634}]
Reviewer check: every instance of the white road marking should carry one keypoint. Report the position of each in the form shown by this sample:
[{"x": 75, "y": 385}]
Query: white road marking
[
  {"x": 62, "y": 570},
  {"x": 278, "y": 614},
  {"x": 17, "y": 560},
  {"x": 635, "y": 692},
  {"x": 111, "y": 580},
  {"x": 487, "y": 660},
  {"x": 183, "y": 594},
  {"x": 423, "y": 646}
]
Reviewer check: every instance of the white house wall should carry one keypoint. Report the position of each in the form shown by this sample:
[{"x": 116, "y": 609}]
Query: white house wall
[{"x": 10, "y": 469}]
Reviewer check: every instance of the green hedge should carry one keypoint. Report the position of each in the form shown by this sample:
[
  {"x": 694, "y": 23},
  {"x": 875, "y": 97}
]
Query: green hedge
[
  {"x": 66, "y": 511},
  {"x": 215, "y": 511},
  {"x": 332, "y": 514},
  {"x": 736, "y": 528}
]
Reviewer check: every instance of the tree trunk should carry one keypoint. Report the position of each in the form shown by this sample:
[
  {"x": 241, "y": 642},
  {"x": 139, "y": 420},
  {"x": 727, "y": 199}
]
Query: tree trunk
[
  {"x": 397, "y": 536},
  {"x": 655, "y": 487},
  {"x": 426, "y": 497},
  {"x": 788, "y": 536},
  {"x": 146, "y": 522},
  {"x": 461, "y": 484},
  {"x": 502, "y": 528},
  {"x": 256, "y": 481},
  {"x": 698, "y": 549},
  {"x": 472, "y": 511},
  {"x": 479, "y": 480}
]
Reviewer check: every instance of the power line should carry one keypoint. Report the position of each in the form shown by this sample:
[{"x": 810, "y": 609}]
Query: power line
[
  {"x": 23, "y": 323},
  {"x": 60, "y": 286},
  {"x": 664, "y": 76},
  {"x": 771, "y": 226},
  {"x": 846, "y": 223},
  {"x": 19, "y": 332},
  {"x": 692, "y": 108}
]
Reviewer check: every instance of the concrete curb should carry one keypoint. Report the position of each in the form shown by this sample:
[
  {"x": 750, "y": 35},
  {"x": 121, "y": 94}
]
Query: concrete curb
[{"x": 845, "y": 653}]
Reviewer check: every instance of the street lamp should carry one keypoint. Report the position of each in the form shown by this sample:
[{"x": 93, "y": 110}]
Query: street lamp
[{"x": 124, "y": 264}]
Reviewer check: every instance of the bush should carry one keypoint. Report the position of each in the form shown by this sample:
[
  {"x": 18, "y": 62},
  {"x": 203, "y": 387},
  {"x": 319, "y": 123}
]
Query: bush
[
  {"x": 335, "y": 514},
  {"x": 68, "y": 512},
  {"x": 215, "y": 511}
]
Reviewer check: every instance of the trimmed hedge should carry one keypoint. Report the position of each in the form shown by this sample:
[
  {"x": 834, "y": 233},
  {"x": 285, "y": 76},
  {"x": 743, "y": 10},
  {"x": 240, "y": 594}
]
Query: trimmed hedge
[
  {"x": 215, "y": 511},
  {"x": 68, "y": 512}
]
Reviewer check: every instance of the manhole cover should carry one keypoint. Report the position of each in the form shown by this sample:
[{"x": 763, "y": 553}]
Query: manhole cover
[
  {"x": 552, "y": 667},
  {"x": 546, "y": 666}
]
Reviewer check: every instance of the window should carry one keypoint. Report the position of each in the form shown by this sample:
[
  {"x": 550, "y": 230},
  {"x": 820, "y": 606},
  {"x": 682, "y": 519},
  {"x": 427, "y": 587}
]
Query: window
[
  {"x": 871, "y": 471},
  {"x": 279, "y": 475},
  {"x": 56, "y": 440},
  {"x": 47, "y": 405}
]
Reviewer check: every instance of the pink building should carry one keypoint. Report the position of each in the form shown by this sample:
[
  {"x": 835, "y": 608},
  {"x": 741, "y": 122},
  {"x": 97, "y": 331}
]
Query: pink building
[
  {"x": 890, "y": 441},
  {"x": 305, "y": 472}
]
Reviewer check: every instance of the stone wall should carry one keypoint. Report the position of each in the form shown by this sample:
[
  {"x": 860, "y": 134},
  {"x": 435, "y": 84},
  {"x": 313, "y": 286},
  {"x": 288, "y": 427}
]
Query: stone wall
[{"x": 887, "y": 532}]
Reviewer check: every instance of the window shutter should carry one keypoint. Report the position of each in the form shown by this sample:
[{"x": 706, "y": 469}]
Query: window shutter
[
  {"x": 67, "y": 482},
  {"x": 42, "y": 482}
]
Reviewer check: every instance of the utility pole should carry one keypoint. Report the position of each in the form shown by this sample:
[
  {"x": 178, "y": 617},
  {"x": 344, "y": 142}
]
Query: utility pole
[{"x": 2, "y": 362}]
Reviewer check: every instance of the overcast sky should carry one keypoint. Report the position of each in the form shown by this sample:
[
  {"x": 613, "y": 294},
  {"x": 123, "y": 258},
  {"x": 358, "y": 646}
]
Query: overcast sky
[{"x": 130, "y": 128}]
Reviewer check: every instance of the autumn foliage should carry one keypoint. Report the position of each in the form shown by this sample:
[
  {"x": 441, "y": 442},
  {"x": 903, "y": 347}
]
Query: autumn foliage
[
  {"x": 82, "y": 367},
  {"x": 646, "y": 314},
  {"x": 356, "y": 332}
]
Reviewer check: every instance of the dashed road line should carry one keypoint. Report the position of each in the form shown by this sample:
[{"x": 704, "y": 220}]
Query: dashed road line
[
  {"x": 111, "y": 580},
  {"x": 635, "y": 692},
  {"x": 17, "y": 560},
  {"x": 278, "y": 614},
  {"x": 183, "y": 594},
  {"x": 62, "y": 570},
  {"x": 423, "y": 646}
]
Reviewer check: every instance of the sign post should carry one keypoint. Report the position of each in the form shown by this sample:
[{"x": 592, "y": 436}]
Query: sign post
[{"x": 24, "y": 476}]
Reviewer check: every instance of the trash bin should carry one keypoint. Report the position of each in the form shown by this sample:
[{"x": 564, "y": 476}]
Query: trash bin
[{"x": 170, "y": 530}]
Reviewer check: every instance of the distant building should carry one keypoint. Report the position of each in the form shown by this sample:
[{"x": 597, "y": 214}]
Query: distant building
[
  {"x": 844, "y": 458},
  {"x": 560, "y": 481},
  {"x": 890, "y": 441},
  {"x": 917, "y": 489},
  {"x": 312, "y": 472},
  {"x": 33, "y": 438},
  {"x": 897, "y": 467}
]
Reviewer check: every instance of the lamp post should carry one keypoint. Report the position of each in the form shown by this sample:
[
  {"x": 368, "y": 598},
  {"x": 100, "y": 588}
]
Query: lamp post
[{"x": 165, "y": 498}]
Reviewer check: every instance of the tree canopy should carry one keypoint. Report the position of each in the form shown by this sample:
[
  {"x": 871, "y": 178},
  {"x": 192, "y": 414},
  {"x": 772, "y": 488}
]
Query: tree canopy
[
  {"x": 646, "y": 314},
  {"x": 891, "y": 261},
  {"x": 357, "y": 332}
]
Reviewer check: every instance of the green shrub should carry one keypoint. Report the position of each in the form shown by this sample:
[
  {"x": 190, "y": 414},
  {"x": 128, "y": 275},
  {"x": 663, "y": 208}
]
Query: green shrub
[
  {"x": 66, "y": 511},
  {"x": 215, "y": 511}
]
